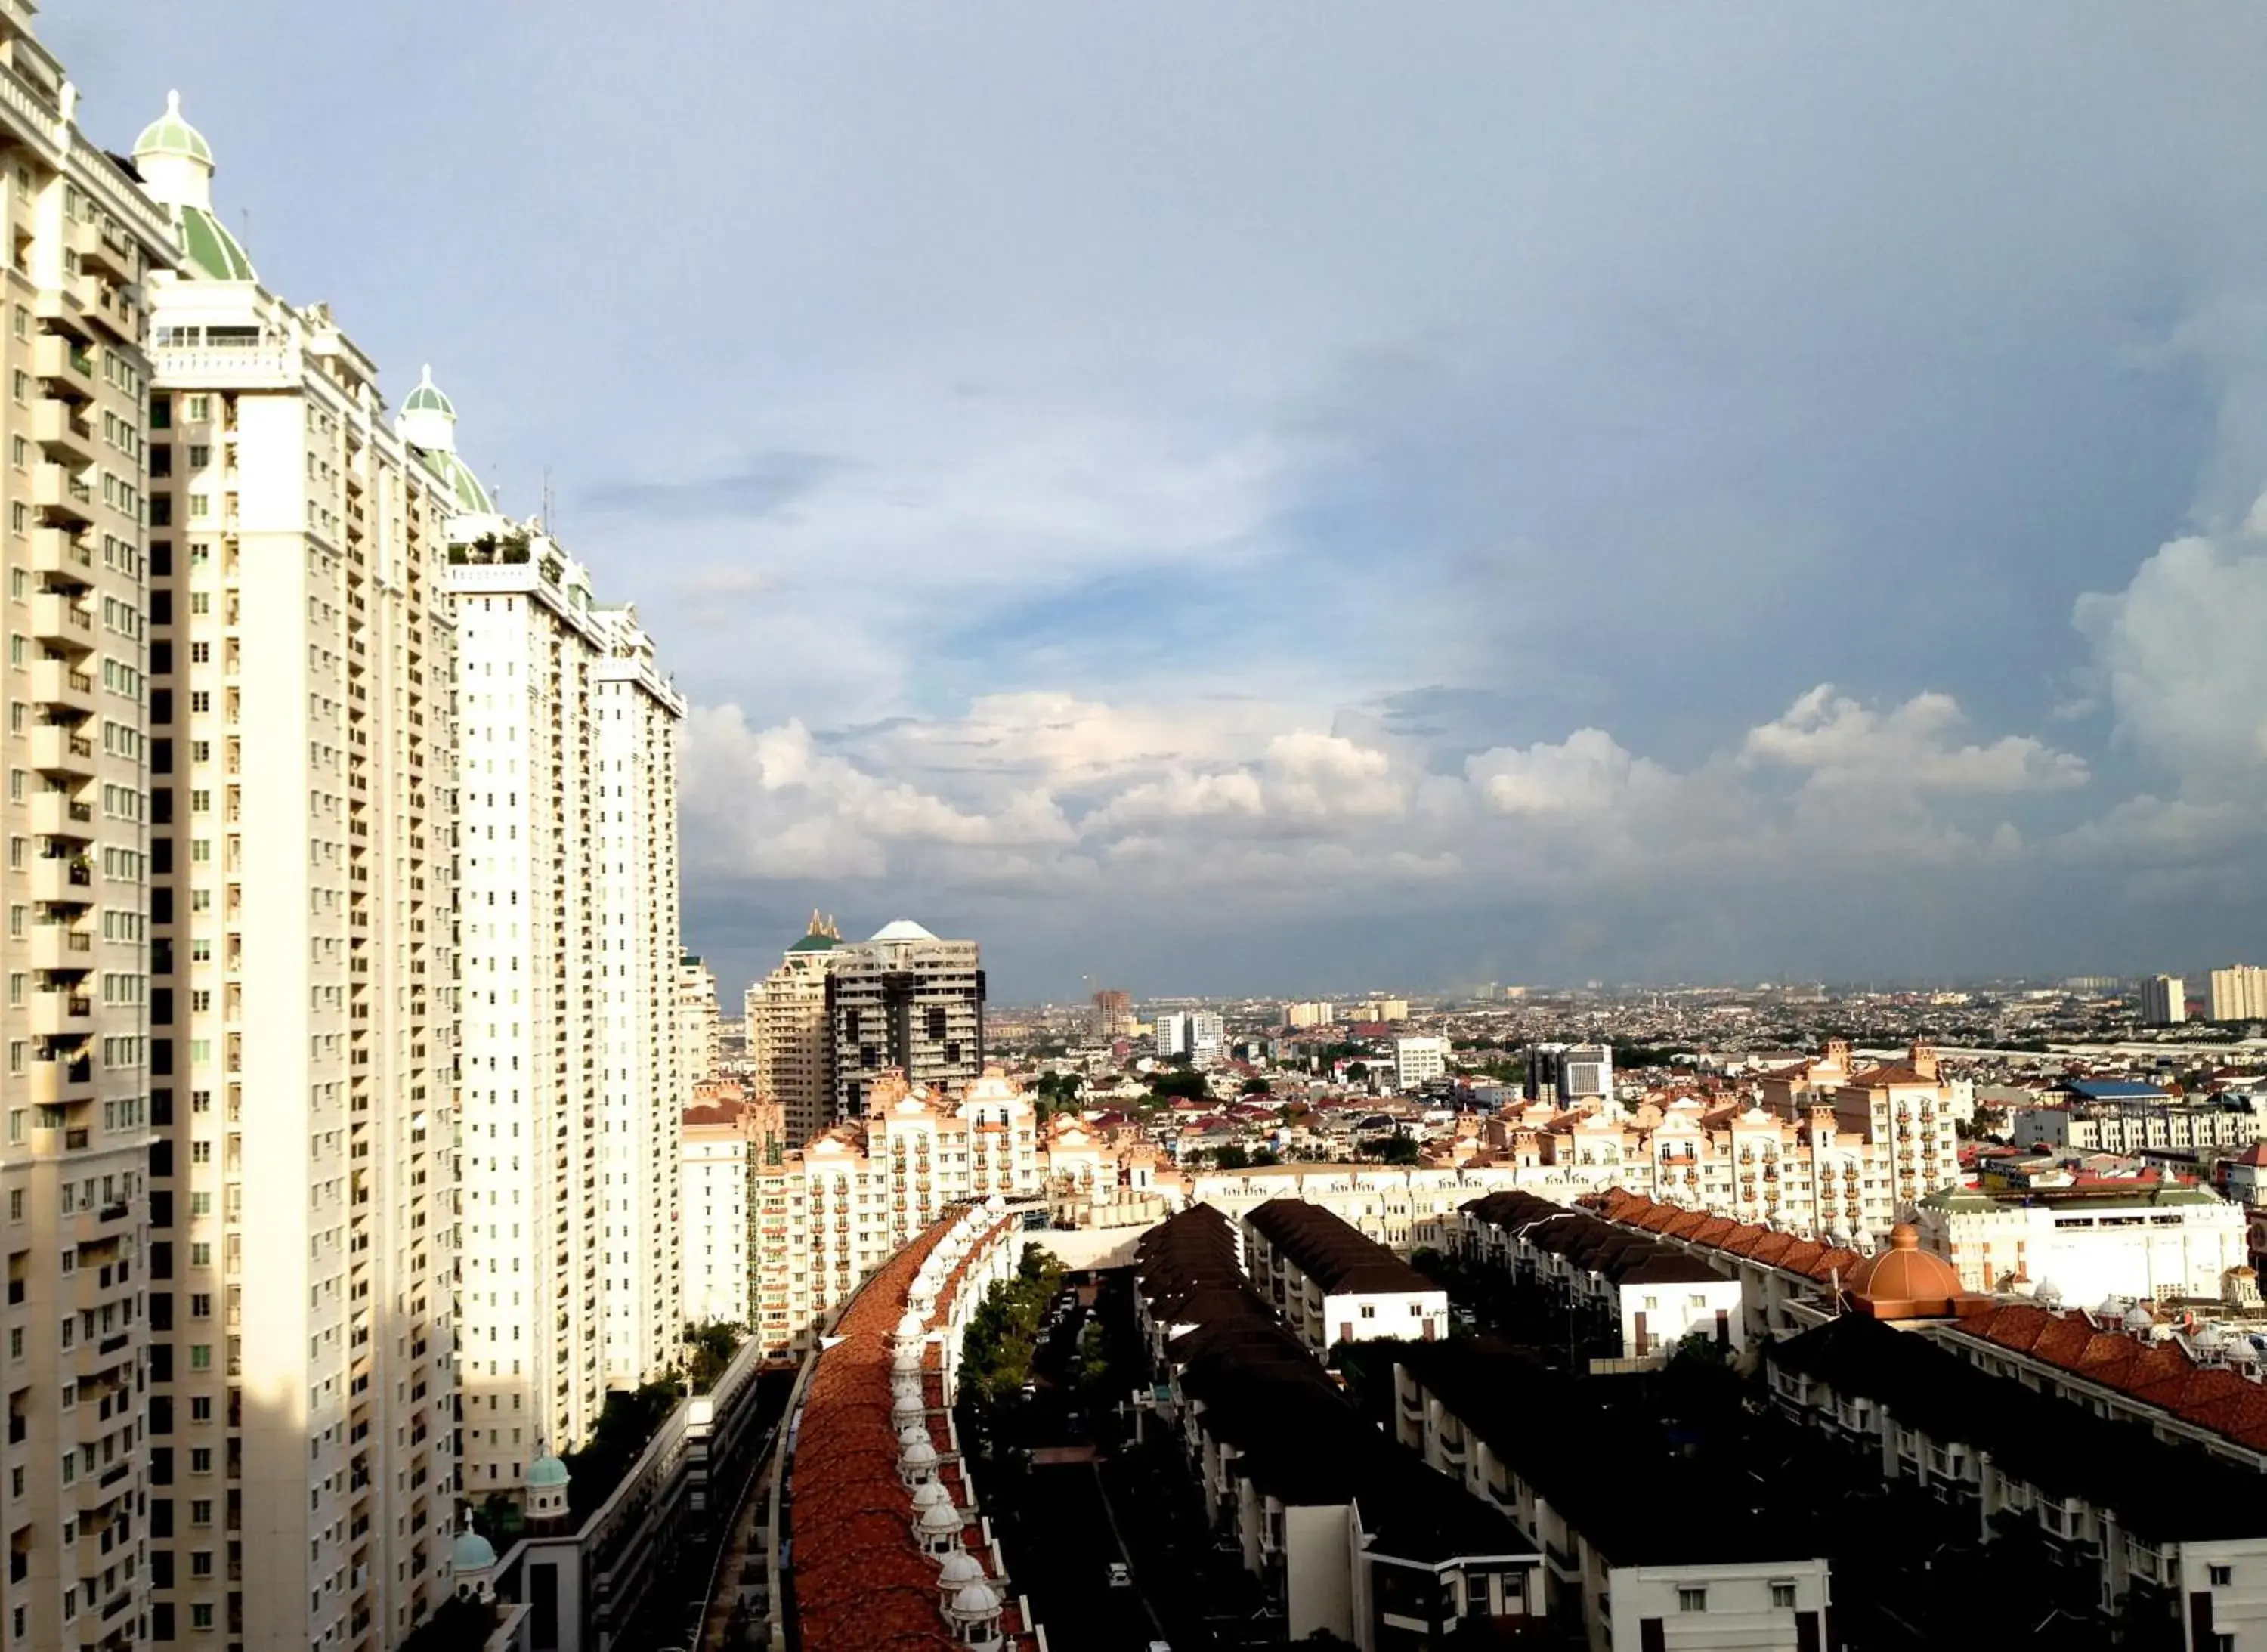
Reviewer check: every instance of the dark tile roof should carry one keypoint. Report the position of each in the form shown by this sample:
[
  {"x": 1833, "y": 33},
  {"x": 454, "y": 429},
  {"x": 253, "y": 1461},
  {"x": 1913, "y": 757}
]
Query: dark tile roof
[
  {"x": 1331, "y": 1250},
  {"x": 2164, "y": 1491}
]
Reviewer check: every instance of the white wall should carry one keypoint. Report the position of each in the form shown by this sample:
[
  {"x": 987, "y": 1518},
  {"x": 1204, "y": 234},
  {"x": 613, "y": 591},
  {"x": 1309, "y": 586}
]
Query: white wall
[
  {"x": 1415, "y": 1315},
  {"x": 1739, "y": 1612}
]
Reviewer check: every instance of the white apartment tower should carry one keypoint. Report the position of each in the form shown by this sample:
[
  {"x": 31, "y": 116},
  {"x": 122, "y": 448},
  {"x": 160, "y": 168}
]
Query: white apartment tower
[
  {"x": 76, "y": 239},
  {"x": 643, "y": 1073},
  {"x": 790, "y": 1040},
  {"x": 301, "y": 1399},
  {"x": 2239, "y": 993},
  {"x": 908, "y": 1002},
  {"x": 572, "y": 1086},
  {"x": 2164, "y": 1001},
  {"x": 698, "y": 1026}
]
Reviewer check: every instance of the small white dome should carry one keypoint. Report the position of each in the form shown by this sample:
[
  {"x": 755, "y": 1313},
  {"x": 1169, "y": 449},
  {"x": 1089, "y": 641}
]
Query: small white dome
[
  {"x": 976, "y": 1600},
  {"x": 959, "y": 1569},
  {"x": 918, "y": 1456},
  {"x": 904, "y": 1407},
  {"x": 939, "y": 1518},
  {"x": 2049, "y": 1294},
  {"x": 911, "y": 1432},
  {"x": 905, "y": 1362},
  {"x": 2242, "y": 1351},
  {"x": 929, "y": 1495},
  {"x": 2140, "y": 1319},
  {"x": 912, "y": 1326}
]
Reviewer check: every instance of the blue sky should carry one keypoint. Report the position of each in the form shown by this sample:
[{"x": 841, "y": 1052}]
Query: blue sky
[{"x": 1299, "y": 496}]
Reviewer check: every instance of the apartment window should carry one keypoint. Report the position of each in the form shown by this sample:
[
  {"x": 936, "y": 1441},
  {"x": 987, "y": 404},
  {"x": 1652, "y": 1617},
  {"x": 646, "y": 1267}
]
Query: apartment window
[
  {"x": 199, "y": 408},
  {"x": 201, "y": 1511},
  {"x": 200, "y": 1459},
  {"x": 16, "y": 1194},
  {"x": 200, "y": 1408},
  {"x": 200, "y": 1356},
  {"x": 1782, "y": 1596},
  {"x": 200, "y": 455},
  {"x": 1691, "y": 1600},
  {"x": 2221, "y": 1575},
  {"x": 200, "y": 1305},
  {"x": 161, "y": 413},
  {"x": 201, "y": 1615},
  {"x": 200, "y": 1253},
  {"x": 200, "y": 1563}
]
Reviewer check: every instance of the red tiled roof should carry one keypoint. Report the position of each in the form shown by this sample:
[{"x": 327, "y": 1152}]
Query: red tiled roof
[{"x": 2159, "y": 1374}]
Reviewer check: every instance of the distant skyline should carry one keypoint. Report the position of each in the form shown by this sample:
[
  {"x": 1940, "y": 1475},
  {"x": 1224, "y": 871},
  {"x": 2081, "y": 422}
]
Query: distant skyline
[{"x": 1242, "y": 497}]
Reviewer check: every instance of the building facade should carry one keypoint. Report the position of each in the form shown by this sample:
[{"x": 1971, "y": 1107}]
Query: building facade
[
  {"x": 302, "y": 1401},
  {"x": 720, "y": 1144},
  {"x": 903, "y": 1001},
  {"x": 2239, "y": 993},
  {"x": 647, "y": 1069},
  {"x": 81, "y": 1098},
  {"x": 2164, "y": 1001},
  {"x": 790, "y": 1038},
  {"x": 1417, "y": 1061},
  {"x": 698, "y": 1026}
]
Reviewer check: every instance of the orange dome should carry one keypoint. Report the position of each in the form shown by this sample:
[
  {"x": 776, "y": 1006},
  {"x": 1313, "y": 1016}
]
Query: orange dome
[{"x": 1904, "y": 1282}]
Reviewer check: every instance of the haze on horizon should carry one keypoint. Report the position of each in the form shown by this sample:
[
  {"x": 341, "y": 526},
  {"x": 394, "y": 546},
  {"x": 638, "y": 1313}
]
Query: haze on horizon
[{"x": 1248, "y": 499}]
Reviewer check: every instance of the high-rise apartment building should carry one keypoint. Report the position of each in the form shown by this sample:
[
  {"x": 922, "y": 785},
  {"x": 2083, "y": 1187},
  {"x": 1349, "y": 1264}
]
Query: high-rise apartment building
[
  {"x": 790, "y": 1040},
  {"x": 723, "y": 1146},
  {"x": 530, "y": 642},
  {"x": 2239, "y": 993},
  {"x": 572, "y": 1077},
  {"x": 2164, "y": 1001},
  {"x": 301, "y": 1408},
  {"x": 1199, "y": 1034},
  {"x": 76, "y": 241},
  {"x": 904, "y": 1001},
  {"x": 1309, "y": 1012},
  {"x": 647, "y": 1073},
  {"x": 699, "y": 1025}
]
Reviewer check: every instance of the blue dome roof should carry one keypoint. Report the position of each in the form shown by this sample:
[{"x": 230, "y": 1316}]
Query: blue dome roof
[
  {"x": 474, "y": 1553},
  {"x": 546, "y": 1470}
]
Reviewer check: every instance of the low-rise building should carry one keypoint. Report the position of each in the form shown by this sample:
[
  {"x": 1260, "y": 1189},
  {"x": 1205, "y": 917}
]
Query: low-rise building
[
  {"x": 1652, "y": 1295},
  {"x": 2126, "y": 1117},
  {"x": 2151, "y": 1240},
  {"x": 1417, "y": 1060},
  {"x": 1332, "y": 1283},
  {"x": 1622, "y": 1571}
]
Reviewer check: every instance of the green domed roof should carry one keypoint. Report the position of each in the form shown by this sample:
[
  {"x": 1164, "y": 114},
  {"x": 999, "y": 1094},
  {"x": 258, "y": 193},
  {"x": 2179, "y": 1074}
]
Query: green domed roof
[
  {"x": 546, "y": 1470},
  {"x": 169, "y": 135},
  {"x": 814, "y": 944},
  {"x": 474, "y": 1553},
  {"x": 427, "y": 398},
  {"x": 471, "y": 498},
  {"x": 212, "y": 251}
]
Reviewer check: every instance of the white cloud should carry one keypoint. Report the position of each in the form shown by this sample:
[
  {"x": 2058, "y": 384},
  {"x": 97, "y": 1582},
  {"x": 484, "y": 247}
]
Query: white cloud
[
  {"x": 2180, "y": 650},
  {"x": 1841, "y": 747}
]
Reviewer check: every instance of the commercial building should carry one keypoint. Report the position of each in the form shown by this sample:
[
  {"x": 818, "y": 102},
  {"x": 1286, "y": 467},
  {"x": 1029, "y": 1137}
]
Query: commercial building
[
  {"x": 1417, "y": 1061},
  {"x": 2152, "y": 1242},
  {"x": 1570, "y": 1073},
  {"x": 1199, "y": 1034},
  {"x": 81, "y": 1096},
  {"x": 2164, "y": 1001},
  {"x": 829, "y": 1213},
  {"x": 904, "y": 1001},
  {"x": 2239, "y": 993},
  {"x": 790, "y": 1039},
  {"x": 1332, "y": 1283},
  {"x": 303, "y": 1011},
  {"x": 2115, "y": 1116}
]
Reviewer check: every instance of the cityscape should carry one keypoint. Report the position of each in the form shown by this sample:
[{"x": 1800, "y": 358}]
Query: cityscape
[{"x": 789, "y": 1173}]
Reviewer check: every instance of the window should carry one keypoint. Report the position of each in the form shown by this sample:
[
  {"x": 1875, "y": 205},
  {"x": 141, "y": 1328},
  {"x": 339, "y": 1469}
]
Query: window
[
  {"x": 1782, "y": 1596},
  {"x": 200, "y": 1356},
  {"x": 1691, "y": 1600},
  {"x": 2221, "y": 1575},
  {"x": 201, "y": 1511},
  {"x": 1369, "y": 1310},
  {"x": 200, "y": 1563},
  {"x": 201, "y": 1615},
  {"x": 200, "y": 1459}
]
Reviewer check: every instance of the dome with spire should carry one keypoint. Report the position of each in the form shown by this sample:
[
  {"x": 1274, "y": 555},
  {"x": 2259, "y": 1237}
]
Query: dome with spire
[
  {"x": 169, "y": 135},
  {"x": 1904, "y": 1282},
  {"x": 427, "y": 422},
  {"x": 474, "y": 1553},
  {"x": 427, "y": 398},
  {"x": 176, "y": 165}
]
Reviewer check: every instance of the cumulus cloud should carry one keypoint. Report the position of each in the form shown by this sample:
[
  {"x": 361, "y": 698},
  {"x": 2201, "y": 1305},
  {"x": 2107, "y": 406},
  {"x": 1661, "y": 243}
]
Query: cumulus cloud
[
  {"x": 1841, "y": 746},
  {"x": 2180, "y": 653}
]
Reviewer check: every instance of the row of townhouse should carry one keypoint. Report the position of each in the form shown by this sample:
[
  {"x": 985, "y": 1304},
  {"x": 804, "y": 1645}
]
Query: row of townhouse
[
  {"x": 2155, "y": 1531},
  {"x": 1616, "y": 1571},
  {"x": 1333, "y": 1284},
  {"x": 1347, "y": 1532}
]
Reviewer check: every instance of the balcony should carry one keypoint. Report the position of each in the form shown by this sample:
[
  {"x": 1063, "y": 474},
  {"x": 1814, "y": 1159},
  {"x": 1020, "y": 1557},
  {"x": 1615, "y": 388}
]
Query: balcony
[
  {"x": 63, "y": 880},
  {"x": 60, "y": 947},
  {"x": 57, "y": 814},
  {"x": 58, "y": 551},
  {"x": 56, "y": 750},
  {"x": 60, "y": 684},
  {"x": 60, "y": 1083},
  {"x": 62, "y": 1015},
  {"x": 64, "y": 435},
  {"x": 59, "y": 621},
  {"x": 111, "y": 250},
  {"x": 65, "y": 364},
  {"x": 57, "y": 488}
]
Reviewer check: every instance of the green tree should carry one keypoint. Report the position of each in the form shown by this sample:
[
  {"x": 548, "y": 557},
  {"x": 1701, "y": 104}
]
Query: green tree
[
  {"x": 1177, "y": 1083},
  {"x": 1233, "y": 1157},
  {"x": 1391, "y": 1149},
  {"x": 1256, "y": 1085}
]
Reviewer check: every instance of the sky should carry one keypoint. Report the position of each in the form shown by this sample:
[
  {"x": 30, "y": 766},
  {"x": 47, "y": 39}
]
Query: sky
[{"x": 1307, "y": 496}]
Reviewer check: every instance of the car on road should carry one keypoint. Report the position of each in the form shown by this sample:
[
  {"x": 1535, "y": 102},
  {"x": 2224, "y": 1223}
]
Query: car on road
[{"x": 1119, "y": 1577}]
